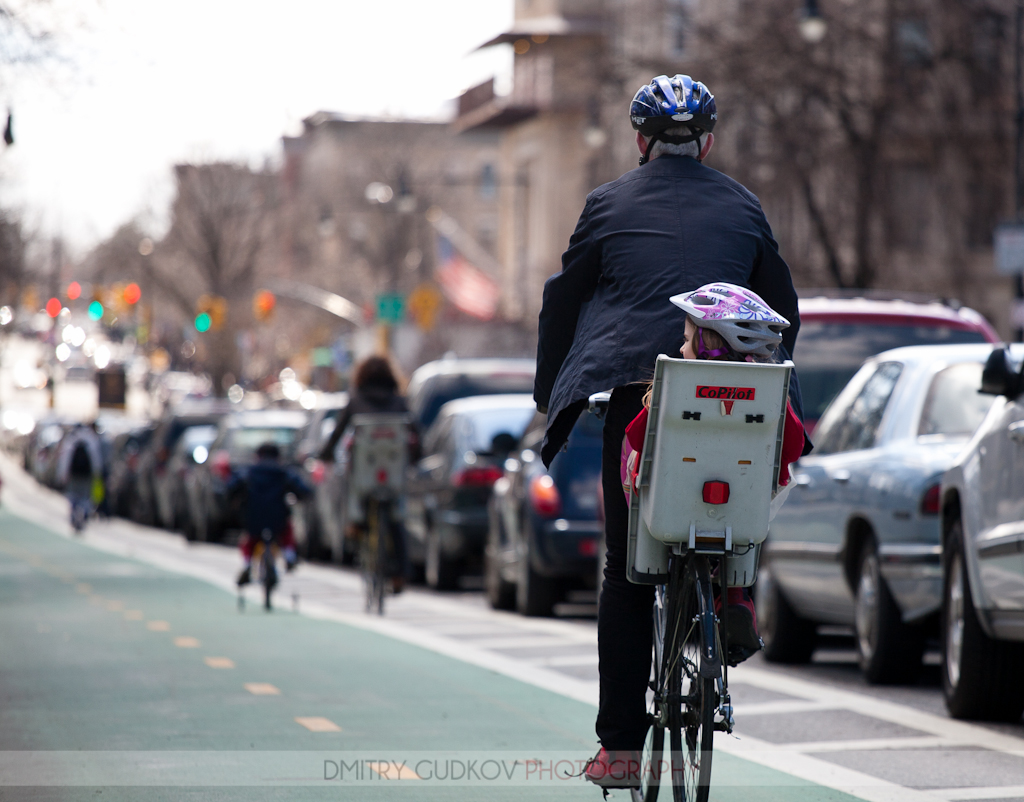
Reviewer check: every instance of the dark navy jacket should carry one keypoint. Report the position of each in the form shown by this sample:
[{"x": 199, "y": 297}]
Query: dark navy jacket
[
  {"x": 668, "y": 227},
  {"x": 267, "y": 482}
]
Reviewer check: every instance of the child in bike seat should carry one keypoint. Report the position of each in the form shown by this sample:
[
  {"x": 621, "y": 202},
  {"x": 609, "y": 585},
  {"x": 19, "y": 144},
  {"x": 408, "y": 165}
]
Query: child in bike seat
[
  {"x": 729, "y": 323},
  {"x": 267, "y": 482}
]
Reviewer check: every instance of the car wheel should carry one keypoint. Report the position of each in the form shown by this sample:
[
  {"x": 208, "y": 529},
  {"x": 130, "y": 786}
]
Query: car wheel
[
  {"x": 442, "y": 572},
  {"x": 981, "y": 677},
  {"x": 536, "y": 595},
  {"x": 788, "y": 638},
  {"x": 500, "y": 593},
  {"x": 889, "y": 650}
]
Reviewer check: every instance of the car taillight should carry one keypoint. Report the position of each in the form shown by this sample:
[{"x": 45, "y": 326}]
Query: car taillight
[
  {"x": 220, "y": 464},
  {"x": 930, "y": 501},
  {"x": 484, "y": 476},
  {"x": 544, "y": 496},
  {"x": 317, "y": 471}
]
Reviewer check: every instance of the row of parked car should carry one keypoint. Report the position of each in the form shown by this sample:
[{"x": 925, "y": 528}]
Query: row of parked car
[{"x": 907, "y": 523}]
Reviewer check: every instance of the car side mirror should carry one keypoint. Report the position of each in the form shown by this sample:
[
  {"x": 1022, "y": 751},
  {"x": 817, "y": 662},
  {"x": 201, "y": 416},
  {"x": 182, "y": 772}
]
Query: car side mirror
[{"x": 998, "y": 378}]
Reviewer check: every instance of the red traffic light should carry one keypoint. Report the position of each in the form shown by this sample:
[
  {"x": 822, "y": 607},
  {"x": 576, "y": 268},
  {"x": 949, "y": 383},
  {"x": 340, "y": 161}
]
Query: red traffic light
[
  {"x": 263, "y": 304},
  {"x": 53, "y": 307},
  {"x": 132, "y": 293}
]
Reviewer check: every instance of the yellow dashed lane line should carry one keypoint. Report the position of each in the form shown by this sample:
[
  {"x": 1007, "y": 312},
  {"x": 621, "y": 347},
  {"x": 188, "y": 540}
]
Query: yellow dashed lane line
[
  {"x": 312, "y": 723},
  {"x": 317, "y": 724},
  {"x": 263, "y": 689}
]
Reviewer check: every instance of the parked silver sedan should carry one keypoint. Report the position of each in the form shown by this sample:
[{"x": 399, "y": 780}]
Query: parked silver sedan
[{"x": 858, "y": 541}]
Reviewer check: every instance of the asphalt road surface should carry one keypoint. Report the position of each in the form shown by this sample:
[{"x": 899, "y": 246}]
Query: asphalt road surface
[{"x": 129, "y": 670}]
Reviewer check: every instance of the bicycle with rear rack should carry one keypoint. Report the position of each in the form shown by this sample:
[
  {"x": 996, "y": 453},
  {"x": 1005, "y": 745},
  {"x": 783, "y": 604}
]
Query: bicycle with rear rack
[
  {"x": 377, "y": 466},
  {"x": 714, "y": 434}
]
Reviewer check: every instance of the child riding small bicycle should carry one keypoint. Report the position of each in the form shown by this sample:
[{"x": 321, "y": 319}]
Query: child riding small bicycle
[{"x": 267, "y": 485}]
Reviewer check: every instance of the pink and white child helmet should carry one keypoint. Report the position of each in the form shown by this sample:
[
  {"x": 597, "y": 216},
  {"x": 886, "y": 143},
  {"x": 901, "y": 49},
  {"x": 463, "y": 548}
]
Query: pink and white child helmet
[{"x": 742, "y": 319}]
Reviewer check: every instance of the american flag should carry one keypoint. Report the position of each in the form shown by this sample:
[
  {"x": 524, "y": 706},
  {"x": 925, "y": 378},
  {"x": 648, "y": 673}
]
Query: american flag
[{"x": 468, "y": 288}]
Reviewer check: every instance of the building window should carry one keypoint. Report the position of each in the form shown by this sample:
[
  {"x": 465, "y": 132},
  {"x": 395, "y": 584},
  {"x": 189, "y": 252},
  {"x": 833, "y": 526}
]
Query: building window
[
  {"x": 912, "y": 42},
  {"x": 679, "y": 18},
  {"x": 909, "y": 194},
  {"x": 488, "y": 182}
]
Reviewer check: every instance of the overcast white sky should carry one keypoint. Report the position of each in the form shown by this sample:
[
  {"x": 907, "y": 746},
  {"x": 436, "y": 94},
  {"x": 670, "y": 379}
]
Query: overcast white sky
[{"x": 150, "y": 82}]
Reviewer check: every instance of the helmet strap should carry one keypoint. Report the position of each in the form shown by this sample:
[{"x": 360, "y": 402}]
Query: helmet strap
[
  {"x": 703, "y": 352},
  {"x": 646, "y": 155}
]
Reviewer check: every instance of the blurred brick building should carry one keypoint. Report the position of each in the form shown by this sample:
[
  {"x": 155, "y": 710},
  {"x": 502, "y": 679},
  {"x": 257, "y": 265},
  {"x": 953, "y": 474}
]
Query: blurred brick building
[{"x": 873, "y": 184}]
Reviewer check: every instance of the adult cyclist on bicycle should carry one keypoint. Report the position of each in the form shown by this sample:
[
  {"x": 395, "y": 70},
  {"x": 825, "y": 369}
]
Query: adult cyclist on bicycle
[
  {"x": 267, "y": 484},
  {"x": 663, "y": 229},
  {"x": 375, "y": 391}
]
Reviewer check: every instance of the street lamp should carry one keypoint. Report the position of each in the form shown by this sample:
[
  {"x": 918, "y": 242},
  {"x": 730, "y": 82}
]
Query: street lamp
[{"x": 812, "y": 25}]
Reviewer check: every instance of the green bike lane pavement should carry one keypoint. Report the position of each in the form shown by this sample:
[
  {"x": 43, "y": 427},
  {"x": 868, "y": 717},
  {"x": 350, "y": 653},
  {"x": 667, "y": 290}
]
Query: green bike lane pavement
[{"x": 116, "y": 659}]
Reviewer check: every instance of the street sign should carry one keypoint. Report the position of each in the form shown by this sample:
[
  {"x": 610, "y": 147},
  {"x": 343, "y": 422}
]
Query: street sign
[
  {"x": 1009, "y": 247},
  {"x": 390, "y": 308}
]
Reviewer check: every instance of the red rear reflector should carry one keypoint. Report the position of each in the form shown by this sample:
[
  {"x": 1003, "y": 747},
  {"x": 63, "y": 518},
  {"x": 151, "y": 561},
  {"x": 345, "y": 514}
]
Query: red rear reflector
[
  {"x": 588, "y": 547},
  {"x": 716, "y": 492},
  {"x": 382, "y": 477}
]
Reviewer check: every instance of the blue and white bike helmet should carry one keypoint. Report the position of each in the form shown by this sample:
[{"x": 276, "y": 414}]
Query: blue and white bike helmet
[{"x": 666, "y": 102}]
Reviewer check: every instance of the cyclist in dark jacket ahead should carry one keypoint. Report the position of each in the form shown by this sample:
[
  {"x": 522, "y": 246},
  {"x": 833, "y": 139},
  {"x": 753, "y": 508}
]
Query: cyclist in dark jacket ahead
[{"x": 665, "y": 228}]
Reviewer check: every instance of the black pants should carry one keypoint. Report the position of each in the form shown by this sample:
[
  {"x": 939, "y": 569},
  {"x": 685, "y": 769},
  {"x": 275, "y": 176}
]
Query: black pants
[{"x": 624, "y": 623}]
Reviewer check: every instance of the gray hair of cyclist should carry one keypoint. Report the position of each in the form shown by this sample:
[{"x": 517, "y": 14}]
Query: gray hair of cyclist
[{"x": 691, "y": 149}]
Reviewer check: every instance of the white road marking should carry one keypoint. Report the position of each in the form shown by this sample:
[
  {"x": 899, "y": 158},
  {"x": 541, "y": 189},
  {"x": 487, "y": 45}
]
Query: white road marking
[
  {"x": 506, "y": 642},
  {"x": 981, "y": 792},
  {"x": 959, "y": 731},
  {"x": 868, "y": 744},
  {"x": 779, "y": 707},
  {"x": 565, "y": 660},
  {"x": 819, "y": 772}
]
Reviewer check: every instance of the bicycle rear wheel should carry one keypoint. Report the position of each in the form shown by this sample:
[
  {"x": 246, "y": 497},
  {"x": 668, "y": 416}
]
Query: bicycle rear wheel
[
  {"x": 692, "y": 667},
  {"x": 370, "y": 557}
]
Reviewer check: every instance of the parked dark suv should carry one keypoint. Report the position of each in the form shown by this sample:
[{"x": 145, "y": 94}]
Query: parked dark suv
[{"x": 544, "y": 524}]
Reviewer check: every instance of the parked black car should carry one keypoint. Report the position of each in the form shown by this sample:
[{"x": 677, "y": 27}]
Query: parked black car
[
  {"x": 239, "y": 435},
  {"x": 152, "y": 464},
  {"x": 191, "y": 451},
  {"x": 446, "y": 504},
  {"x": 124, "y": 464},
  {"x": 544, "y": 524}
]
